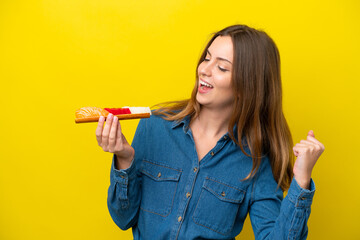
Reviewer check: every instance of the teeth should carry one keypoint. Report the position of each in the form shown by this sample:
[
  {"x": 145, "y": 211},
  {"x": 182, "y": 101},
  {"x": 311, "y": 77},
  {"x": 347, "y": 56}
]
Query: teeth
[{"x": 205, "y": 84}]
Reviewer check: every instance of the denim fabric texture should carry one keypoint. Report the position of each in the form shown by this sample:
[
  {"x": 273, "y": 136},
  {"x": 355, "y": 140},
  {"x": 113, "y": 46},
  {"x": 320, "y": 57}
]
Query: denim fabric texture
[{"x": 167, "y": 193}]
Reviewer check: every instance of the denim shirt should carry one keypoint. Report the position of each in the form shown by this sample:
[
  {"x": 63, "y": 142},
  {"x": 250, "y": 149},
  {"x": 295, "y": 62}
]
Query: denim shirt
[{"x": 167, "y": 193}]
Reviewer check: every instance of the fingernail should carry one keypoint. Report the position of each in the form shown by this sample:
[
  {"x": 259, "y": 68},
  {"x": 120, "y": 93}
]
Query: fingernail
[{"x": 115, "y": 118}]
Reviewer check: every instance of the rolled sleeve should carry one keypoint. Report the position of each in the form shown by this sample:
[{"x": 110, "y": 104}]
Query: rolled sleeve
[
  {"x": 122, "y": 178},
  {"x": 299, "y": 196}
]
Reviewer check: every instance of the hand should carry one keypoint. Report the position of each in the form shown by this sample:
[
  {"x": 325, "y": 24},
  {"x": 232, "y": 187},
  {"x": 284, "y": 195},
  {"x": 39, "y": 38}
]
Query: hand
[
  {"x": 112, "y": 140},
  {"x": 307, "y": 152}
]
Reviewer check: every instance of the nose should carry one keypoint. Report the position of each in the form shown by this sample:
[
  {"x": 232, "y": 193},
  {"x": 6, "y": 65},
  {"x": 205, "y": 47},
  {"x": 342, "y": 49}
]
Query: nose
[{"x": 205, "y": 69}]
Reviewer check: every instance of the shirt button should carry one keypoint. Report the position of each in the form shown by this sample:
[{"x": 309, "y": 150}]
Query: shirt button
[
  {"x": 225, "y": 137},
  {"x": 195, "y": 169},
  {"x": 212, "y": 153},
  {"x": 188, "y": 195},
  {"x": 179, "y": 219},
  {"x": 159, "y": 174},
  {"x": 223, "y": 194}
]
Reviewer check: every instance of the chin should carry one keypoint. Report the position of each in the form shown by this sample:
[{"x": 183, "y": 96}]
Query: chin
[{"x": 200, "y": 99}]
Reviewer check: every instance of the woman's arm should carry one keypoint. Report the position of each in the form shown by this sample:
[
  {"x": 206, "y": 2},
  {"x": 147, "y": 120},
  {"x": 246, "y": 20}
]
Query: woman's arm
[
  {"x": 124, "y": 191},
  {"x": 307, "y": 152},
  {"x": 124, "y": 195},
  {"x": 274, "y": 218}
]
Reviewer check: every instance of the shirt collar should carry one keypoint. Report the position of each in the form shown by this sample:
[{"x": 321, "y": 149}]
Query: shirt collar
[{"x": 185, "y": 122}]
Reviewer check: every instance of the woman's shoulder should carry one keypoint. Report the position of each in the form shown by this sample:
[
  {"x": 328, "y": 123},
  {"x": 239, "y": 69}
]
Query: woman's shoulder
[
  {"x": 264, "y": 176},
  {"x": 156, "y": 121}
]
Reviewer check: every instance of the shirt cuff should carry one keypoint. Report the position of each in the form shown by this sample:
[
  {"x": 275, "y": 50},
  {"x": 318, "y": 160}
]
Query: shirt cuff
[
  {"x": 121, "y": 176},
  {"x": 299, "y": 196}
]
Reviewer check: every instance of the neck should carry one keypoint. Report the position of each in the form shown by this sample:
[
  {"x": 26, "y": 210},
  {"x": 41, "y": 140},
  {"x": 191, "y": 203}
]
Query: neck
[{"x": 212, "y": 122}]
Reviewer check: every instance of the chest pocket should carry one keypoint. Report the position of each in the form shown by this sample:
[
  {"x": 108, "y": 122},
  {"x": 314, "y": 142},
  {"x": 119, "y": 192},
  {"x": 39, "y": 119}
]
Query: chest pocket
[
  {"x": 217, "y": 206},
  {"x": 159, "y": 184}
]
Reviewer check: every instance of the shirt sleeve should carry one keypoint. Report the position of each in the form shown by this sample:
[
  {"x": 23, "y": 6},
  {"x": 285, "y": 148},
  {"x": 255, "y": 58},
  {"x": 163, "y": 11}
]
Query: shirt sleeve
[
  {"x": 273, "y": 217},
  {"x": 124, "y": 193}
]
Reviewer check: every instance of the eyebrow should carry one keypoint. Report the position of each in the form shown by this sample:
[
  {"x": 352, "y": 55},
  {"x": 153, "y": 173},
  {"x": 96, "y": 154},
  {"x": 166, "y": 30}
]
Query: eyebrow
[{"x": 220, "y": 58}]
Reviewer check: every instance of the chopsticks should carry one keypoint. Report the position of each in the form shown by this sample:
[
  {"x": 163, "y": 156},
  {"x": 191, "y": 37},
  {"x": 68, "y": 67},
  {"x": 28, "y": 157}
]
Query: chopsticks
[{"x": 120, "y": 117}]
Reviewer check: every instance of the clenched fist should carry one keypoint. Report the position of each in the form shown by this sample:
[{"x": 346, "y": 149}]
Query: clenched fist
[{"x": 307, "y": 152}]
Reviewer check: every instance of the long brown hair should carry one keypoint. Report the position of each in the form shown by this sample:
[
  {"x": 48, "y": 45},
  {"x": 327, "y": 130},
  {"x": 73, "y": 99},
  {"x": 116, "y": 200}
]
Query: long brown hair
[{"x": 257, "y": 111}]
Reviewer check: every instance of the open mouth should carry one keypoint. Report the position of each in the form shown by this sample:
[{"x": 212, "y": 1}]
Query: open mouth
[{"x": 204, "y": 84}]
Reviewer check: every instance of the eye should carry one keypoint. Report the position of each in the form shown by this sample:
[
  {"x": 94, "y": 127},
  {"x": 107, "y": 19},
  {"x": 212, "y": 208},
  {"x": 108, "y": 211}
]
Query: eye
[
  {"x": 207, "y": 58},
  {"x": 222, "y": 69}
]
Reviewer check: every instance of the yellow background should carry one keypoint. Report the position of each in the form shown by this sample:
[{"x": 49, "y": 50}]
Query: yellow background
[{"x": 60, "y": 55}]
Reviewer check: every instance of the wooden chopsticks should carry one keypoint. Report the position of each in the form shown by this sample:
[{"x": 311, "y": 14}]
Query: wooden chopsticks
[{"x": 120, "y": 117}]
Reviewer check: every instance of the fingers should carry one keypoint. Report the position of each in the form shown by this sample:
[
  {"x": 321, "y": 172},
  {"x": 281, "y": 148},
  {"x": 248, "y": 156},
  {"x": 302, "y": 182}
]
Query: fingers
[
  {"x": 307, "y": 147},
  {"x": 110, "y": 137},
  {"x": 99, "y": 130},
  {"x": 296, "y": 153},
  {"x": 316, "y": 142},
  {"x": 112, "y": 134},
  {"x": 309, "y": 143},
  {"x": 106, "y": 133},
  {"x": 299, "y": 147},
  {"x": 311, "y": 140},
  {"x": 119, "y": 138},
  {"x": 311, "y": 133}
]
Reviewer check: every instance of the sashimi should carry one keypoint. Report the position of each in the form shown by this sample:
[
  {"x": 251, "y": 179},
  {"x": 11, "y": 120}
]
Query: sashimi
[{"x": 92, "y": 114}]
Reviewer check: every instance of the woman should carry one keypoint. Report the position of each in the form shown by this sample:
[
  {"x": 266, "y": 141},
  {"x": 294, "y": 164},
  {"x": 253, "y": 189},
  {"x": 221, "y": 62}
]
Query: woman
[{"x": 196, "y": 168}]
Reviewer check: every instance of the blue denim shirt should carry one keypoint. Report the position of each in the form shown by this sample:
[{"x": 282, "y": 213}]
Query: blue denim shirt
[{"x": 167, "y": 193}]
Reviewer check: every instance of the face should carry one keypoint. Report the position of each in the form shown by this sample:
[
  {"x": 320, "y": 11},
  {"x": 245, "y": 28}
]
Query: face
[{"x": 214, "y": 85}]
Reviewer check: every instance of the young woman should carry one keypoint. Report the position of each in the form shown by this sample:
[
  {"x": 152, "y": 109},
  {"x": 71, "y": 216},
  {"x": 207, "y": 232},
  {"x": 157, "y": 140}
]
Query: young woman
[{"x": 196, "y": 168}]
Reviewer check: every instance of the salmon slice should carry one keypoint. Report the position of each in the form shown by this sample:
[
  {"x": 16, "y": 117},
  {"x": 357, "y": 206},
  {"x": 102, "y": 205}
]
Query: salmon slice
[{"x": 88, "y": 112}]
